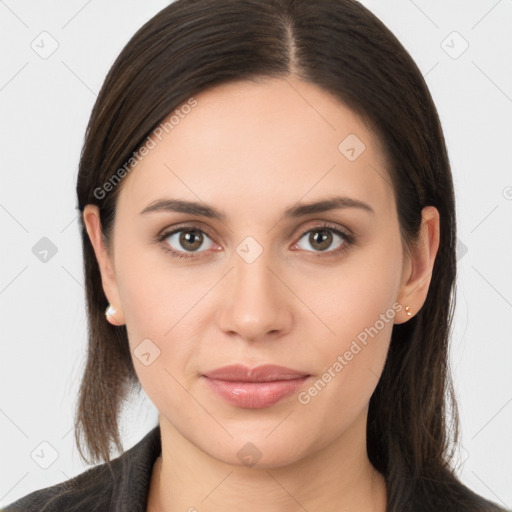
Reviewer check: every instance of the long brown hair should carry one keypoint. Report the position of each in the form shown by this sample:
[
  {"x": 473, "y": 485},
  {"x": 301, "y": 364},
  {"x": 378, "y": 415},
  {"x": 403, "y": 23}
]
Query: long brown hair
[{"x": 339, "y": 45}]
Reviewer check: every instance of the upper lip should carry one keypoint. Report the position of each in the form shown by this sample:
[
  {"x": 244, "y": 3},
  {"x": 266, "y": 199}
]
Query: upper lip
[{"x": 263, "y": 373}]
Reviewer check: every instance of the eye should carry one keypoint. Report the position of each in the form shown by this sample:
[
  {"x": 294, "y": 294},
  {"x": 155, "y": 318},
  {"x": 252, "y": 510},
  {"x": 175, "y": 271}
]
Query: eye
[
  {"x": 321, "y": 238},
  {"x": 181, "y": 241}
]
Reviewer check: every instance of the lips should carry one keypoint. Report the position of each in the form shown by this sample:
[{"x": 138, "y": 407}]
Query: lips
[
  {"x": 254, "y": 388},
  {"x": 264, "y": 373}
]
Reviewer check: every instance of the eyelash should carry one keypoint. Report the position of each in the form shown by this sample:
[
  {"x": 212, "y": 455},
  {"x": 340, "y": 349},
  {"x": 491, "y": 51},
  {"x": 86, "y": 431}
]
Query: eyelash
[{"x": 349, "y": 240}]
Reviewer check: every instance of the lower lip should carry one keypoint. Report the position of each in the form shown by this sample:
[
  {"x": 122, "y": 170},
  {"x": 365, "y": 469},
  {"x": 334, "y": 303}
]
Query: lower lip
[{"x": 255, "y": 395}]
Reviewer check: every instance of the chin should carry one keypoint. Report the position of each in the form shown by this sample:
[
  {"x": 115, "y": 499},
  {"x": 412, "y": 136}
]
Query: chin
[{"x": 257, "y": 451}]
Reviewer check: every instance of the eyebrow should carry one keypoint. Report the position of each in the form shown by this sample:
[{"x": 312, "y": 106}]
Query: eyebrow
[{"x": 297, "y": 210}]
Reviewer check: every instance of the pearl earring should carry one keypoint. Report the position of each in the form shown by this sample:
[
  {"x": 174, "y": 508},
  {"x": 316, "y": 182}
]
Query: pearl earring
[
  {"x": 408, "y": 310},
  {"x": 109, "y": 311}
]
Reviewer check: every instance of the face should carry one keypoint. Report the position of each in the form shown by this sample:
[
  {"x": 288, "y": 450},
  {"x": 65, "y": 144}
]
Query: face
[{"x": 315, "y": 291}]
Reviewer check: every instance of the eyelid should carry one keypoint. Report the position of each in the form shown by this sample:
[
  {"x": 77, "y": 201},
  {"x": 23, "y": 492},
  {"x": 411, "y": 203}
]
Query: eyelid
[{"x": 325, "y": 224}]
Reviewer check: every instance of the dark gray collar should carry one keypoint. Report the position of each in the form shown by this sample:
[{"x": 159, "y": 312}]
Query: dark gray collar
[{"x": 120, "y": 486}]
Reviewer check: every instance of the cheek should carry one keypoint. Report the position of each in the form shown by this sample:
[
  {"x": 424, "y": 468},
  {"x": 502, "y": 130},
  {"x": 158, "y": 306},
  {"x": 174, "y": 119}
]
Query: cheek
[
  {"x": 164, "y": 320},
  {"x": 353, "y": 296},
  {"x": 349, "y": 364},
  {"x": 154, "y": 296},
  {"x": 357, "y": 305},
  {"x": 161, "y": 347}
]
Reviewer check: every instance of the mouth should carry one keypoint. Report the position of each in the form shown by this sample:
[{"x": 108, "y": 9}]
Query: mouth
[
  {"x": 254, "y": 388},
  {"x": 263, "y": 373}
]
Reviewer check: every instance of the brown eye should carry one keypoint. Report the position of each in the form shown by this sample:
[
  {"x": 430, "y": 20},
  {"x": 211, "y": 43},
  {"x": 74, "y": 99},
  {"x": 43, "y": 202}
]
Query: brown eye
[
  {"x": 187, "y": 240},
  {"x": 321, "y": 239}
]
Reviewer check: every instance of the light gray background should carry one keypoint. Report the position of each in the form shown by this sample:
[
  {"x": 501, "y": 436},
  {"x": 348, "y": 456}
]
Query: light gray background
[{"x": 45, "y": 104}]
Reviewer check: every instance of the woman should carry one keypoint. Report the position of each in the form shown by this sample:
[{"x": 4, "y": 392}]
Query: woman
[{"x": 268, "y": 226}]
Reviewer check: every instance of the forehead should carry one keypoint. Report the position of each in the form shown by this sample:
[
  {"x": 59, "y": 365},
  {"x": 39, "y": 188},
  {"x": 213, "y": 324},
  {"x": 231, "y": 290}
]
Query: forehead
[{"x": 277, "y": 140}]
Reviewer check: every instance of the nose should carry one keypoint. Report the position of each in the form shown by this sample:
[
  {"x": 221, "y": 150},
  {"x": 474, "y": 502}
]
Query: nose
[{"x": 254, "y": 303}]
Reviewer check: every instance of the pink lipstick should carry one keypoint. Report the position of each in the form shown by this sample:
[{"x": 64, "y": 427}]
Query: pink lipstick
[{"x": 254, "y": 388}]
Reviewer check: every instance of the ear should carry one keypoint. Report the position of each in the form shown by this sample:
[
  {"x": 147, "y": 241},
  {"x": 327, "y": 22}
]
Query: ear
[
  {"x": 418, "y": 265},
  {"x": 92, "y": 223}
]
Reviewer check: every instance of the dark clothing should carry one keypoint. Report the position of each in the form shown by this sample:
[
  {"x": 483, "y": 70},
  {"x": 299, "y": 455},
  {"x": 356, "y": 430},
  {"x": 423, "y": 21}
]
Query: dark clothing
[{"x": 124, "y": 488}]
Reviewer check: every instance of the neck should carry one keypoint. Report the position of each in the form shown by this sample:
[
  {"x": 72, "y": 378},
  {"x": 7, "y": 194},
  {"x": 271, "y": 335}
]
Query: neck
[{"x": 338, "y": 477}]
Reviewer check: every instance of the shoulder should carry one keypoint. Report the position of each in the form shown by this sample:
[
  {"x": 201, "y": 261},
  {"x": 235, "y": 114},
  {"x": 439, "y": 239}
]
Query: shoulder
[
  {"x": 449, "y": 494},
  {"x": 105, "y": 487},
  {"x": 64, "y": 496}
]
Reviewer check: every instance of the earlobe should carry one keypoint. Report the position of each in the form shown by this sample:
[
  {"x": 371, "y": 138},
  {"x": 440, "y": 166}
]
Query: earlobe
[
  {"x": 92, "y": 224},
  {"x": 421, "y": 258}
]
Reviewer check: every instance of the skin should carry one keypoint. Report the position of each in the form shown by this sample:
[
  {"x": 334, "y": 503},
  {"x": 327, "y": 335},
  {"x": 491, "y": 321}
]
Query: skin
[{"x": 253, "y": 149}]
